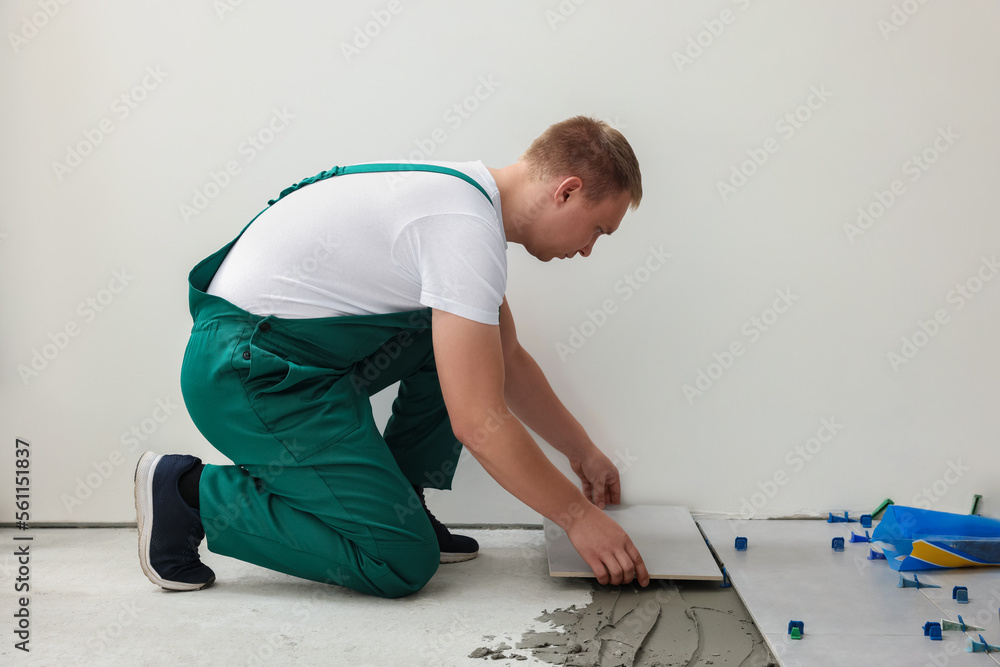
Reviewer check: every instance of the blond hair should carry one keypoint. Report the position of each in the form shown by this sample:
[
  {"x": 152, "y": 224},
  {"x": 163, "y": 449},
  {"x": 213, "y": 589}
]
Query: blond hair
[{"x": 593, "y": 151}]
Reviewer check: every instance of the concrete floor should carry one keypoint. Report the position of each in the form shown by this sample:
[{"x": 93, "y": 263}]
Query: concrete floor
[{"x": 91, "y": 605}]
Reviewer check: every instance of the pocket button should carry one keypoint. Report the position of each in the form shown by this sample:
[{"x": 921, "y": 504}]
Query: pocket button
[{"x": 246, "y": 355}]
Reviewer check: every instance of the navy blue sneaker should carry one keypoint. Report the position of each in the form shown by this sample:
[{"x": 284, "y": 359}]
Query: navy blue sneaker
[
  {"x": 454, "y": 548},
  {"x": 169, "y": 529}
]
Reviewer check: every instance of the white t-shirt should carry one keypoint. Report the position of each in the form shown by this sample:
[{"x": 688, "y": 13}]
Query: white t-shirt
[{"x": 374, "y": 243}]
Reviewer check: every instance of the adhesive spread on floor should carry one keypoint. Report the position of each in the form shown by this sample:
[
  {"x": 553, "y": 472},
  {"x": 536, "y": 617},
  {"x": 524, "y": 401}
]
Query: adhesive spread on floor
[{"x": 662, "y": 625}]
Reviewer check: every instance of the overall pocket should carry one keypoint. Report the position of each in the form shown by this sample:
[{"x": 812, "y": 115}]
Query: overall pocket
[{"x": 307, "y": 408}]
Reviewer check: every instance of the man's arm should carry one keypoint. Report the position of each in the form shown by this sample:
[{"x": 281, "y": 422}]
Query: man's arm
[
  {"x": 470, "y": 366},
  {"x": 531, "y": 398}
]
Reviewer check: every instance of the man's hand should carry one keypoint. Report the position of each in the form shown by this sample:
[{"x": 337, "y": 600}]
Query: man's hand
[
  {"x": 599, "y": 475},
  {"x": 607, "y": 549}
]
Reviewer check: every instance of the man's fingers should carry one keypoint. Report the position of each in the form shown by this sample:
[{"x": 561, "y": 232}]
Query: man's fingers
[
  {"x": 615, "y": 489},
  {"x": 641, "y": 573},
  {"x": 599, "y": 492},
  {"x": 606, "y": 568},
  {"x": 627, "y": 566},
  {"x": 601, "y": 572},
  {"x": 615, "y": 571}
]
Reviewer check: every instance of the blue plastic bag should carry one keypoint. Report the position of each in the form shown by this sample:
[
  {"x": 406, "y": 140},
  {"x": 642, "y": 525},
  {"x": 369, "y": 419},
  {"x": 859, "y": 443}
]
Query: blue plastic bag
[{"x": 918, "y": 539}]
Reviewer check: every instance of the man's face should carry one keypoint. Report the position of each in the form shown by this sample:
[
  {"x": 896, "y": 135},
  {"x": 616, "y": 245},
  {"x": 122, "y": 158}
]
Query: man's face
[{"x": 569, "y": 225}]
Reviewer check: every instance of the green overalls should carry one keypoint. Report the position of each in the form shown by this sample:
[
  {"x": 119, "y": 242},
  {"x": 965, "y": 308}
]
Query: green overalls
[{"x": 316, "y": 491}]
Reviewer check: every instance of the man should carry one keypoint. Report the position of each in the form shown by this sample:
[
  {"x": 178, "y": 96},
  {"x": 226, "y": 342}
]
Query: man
[{"x": 350, "y": 281}]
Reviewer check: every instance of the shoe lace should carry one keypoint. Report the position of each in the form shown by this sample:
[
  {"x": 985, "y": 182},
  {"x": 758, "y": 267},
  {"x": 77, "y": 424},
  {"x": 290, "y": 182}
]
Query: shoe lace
[{"x": 193, "y": 541}]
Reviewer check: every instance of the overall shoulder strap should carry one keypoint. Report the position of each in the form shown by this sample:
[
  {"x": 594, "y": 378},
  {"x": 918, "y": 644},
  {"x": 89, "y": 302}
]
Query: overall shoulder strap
[
  {"x": 400, "y": 166},
  {"x": 381, "y": 167}
]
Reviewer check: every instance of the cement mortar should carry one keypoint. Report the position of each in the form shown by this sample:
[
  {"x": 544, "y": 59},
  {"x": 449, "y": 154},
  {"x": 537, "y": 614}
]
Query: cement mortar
[{"x": 666, "y": 624}]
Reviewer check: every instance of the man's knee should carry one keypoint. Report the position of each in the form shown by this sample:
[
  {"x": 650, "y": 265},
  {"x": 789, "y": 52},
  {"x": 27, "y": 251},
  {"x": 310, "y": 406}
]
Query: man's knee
[{"x": 411, "y": 566}]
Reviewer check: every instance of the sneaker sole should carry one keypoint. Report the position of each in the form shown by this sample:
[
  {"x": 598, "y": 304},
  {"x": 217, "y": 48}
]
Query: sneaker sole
[
  {"x": 144, "y": 518},
  {"x": 457, "y": 557}
]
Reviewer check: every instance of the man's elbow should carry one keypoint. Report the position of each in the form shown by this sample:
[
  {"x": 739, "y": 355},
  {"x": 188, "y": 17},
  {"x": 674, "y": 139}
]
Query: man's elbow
[
  {"x": 512, "y": 355},
  {"x": 513, "y": 363},
  {"x": 476, "y": 428}
]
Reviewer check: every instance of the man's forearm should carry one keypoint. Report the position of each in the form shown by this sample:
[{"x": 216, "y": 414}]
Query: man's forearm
[
  {"x": 532, "y": 400},
  {"x": 510, "y": 456}
]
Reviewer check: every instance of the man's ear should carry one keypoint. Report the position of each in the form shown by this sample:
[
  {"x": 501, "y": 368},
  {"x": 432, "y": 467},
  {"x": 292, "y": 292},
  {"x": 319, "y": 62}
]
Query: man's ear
[{"x": 569, "y": 186}]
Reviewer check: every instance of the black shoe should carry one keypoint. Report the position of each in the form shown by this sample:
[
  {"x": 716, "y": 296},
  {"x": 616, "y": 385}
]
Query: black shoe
[
  {"x": 454, "y": 548},
  {"x": 169, "y": 530}
]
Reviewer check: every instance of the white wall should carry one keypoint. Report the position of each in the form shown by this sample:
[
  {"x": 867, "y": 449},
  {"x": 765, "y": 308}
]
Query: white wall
[{"x": 923, "y": 431}]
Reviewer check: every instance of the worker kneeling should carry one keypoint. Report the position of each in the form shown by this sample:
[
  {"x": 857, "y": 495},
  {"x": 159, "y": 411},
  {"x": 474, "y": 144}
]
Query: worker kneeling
[{"x": 288, "y": 346}]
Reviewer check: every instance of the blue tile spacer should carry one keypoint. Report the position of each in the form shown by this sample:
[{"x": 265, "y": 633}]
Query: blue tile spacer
[
  {"x": 725, "y": 579},
  {"x": 741, "y": 544},
  {"x": 837, "y": 544},
  {"x": 839, "y": 519},
  {"x": 932, "y": 629},
  {"x": 866, "y": 520},
  {"x": 796, "y": 624},
  {"x": 961, "y": 622},
  {"x": 875, "y": 555},
  {"x": 914, "y": 583},
  {"x": 961, "y": 594},
  {"x": 860, "y": 538}
]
